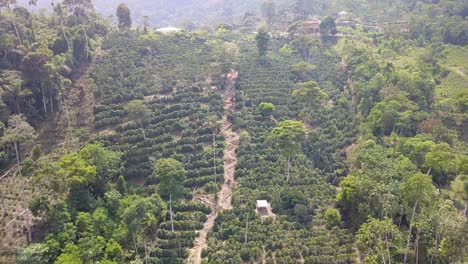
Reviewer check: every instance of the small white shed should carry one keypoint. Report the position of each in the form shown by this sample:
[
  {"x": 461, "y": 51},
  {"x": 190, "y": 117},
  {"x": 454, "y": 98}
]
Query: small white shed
[
  {"x": 168, "y": 30},
  {"x": 263, "y": 207}
]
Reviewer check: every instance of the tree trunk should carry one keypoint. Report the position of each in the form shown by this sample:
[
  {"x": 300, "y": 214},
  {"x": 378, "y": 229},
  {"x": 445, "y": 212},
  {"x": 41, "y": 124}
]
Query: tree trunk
[
  {"x": 466, "y": 209},
  {"x": 28, "y": 221},
  {"x": 121, "y": 80},
  {"x": 214, "y": 157},
  {"x": 69, "y": 128},
  {"x": 87, "y": 43},
  {"x": 59, "y": 100},
  {"x": 416, "y": 248},
  {"x": 408, "y": 240},
  {"x": 33, "y": 32},
  {"x": 17, "y": 32},
  {"x": 25, "y": 207},
  {"x": 383, "y": 258},
  {"x": 246, "y": 230},
  {"x": 18, "y": 158},
  {"x": 43, "y": 101},
  {"x": 170, "y": 212},
  {"x": 146, "y": 258},
  {"x": 143, "y": 130},
  {"x": 18, "y": 108},
  {"x": 288, "y": 168},
  {"x": 51, "y": 104},
  {"x": 388, "y": 249},
  {"x": 134, "y": 244},
  {"x": 3, "y": 205},
  {"x": 435, "y": 248},
  {"x": 63, "y": 31}
]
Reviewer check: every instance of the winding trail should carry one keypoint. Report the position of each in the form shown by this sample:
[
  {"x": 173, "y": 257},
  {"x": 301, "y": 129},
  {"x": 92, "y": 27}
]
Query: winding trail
[{"x": 224, "y": 201}]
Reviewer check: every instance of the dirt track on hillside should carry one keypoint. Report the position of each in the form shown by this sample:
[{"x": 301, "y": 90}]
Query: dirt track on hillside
[{"x": 224, "y": 201}]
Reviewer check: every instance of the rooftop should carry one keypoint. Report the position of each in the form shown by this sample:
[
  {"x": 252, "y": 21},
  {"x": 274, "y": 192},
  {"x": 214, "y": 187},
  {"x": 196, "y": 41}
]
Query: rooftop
[
  {"x": 262, "y": 203},
  {"x": 313, "y": 21},
  {"x": 168, "y": 29},
  {"x": 342, "y": 13}
]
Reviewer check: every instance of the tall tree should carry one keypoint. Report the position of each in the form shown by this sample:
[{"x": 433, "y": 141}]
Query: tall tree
[
  {"x": 170, "y": 174},
  {"x": 88, "y": 173},
  {"x": 140, "y": 214},
  {"x": 310, "y": 95},
  {"x": 35, "y": 69},
  {"x": 145, "y": 24},
  {"x": 460, "y": 190},
  {"x": 302, "y": 71},
  {"x": 123, "y": 15},
  {"x": 441, "y": 162},
  {"x": 269, "y": 12},
  {"x": 60, "y": 11},
  {"x": 396, "y": 113},
  {"x": 263, "y": 41},
  {"x": 289, "y": 135},
  {"x": 418, "y": 192},
  {"x": 35, "y": 253},
  {"x": 80, "y": 10},
  {"x": 121, "y": 185},
  {"x": 107, "y": 165},
  {"x": 138, "y": 112},
  {"x": 81, "y": 175},
  {"x": 328, "y": 26},
  {"x": 71, "y": 255},
  {"x": 379, "y": 240},
  {"x": 22, "y": 135},
  {"x": 7, "y": 3},
  {"x": 300, "y": 8},
  {"x": 12, "y": 91},
  {"x": 266, "y": 109},
  {"x": 307, "y": 45}
]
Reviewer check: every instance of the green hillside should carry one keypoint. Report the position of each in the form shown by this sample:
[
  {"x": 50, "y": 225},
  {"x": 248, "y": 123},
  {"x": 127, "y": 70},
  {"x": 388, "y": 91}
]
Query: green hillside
[{"x": 247, "y": 137}]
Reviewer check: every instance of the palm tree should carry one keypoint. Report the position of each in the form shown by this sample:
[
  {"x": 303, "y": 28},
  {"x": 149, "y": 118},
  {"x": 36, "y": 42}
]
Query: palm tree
[{"x": 14, "y": 94}]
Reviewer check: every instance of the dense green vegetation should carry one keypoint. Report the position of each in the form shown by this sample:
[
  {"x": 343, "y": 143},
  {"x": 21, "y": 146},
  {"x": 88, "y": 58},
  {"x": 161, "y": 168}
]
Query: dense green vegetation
[
  {"x": 298, "y": 230},
  {"x": 116, "y": 138},
  {"x": 172, "y": 129}
]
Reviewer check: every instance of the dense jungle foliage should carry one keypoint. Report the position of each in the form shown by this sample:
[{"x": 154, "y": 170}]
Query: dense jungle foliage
[{"x": 118, "y": 140}]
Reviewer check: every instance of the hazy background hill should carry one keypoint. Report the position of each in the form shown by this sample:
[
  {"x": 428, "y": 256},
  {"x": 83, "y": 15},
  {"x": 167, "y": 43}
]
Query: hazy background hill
[{"x": 163, "y": 13}]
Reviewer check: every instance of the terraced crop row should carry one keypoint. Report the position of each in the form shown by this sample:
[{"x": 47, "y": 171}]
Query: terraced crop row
[
  {"x": 178, "y": 125},
  {"x": 12, "y": 226},
  {"x": 297, "y": 233}
]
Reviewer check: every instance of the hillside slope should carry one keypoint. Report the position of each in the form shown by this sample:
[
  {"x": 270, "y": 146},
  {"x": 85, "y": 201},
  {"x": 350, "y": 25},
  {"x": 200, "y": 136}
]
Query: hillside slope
[{"x": 235, "y": 145}]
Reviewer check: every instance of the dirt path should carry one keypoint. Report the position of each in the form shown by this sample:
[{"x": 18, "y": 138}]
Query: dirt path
[
  {"x": 358, "y": 254},
  {"x": 224, "y": 201},
  {"x": 461, "y": 71},
  {"x": 263, "y": 255}
]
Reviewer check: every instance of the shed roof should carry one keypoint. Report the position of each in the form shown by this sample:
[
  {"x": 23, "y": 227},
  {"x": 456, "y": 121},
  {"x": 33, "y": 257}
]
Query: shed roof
[
  {"x": 168, "y": 29},
  {"x": 312, "y": 21},
  {"x": 262, "y": 203},
  {"x": 342, "y": 13}
]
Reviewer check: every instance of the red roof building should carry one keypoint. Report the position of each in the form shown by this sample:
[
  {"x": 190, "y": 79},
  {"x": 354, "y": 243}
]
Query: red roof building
[{"x": 311, "y": 26}]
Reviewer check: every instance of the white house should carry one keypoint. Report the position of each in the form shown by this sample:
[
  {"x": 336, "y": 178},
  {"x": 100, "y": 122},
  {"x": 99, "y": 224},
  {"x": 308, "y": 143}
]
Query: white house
[{"x": 168, "y": 30}]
